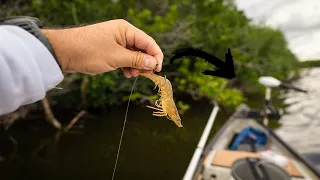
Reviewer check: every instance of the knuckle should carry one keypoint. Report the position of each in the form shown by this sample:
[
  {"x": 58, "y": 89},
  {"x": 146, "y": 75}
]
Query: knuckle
[{"x": 123, "y": 21}]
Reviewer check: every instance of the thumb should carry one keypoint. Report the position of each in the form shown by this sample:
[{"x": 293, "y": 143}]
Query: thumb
[{"x": 135, "y": 59}]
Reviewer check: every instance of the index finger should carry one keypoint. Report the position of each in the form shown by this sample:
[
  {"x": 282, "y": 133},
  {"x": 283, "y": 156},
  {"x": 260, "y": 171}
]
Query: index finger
[{"x": 139, "y": 39}]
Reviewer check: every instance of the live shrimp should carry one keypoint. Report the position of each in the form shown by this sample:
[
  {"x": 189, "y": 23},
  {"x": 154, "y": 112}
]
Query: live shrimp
[{"x": 165, "y": 106}]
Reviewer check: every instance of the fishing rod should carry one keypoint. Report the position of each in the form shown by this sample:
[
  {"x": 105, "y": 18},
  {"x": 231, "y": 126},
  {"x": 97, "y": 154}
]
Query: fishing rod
[
  {"x": 202, "y": 142},
  {"x": 198, "y": 152}
]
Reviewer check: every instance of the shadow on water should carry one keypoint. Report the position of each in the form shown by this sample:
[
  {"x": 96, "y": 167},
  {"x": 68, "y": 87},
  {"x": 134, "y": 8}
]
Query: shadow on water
[{"x": 152, "y": 148}]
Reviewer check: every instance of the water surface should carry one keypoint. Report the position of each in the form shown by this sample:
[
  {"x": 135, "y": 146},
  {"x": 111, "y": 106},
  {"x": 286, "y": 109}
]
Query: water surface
[{"x": 152, "y": 148}]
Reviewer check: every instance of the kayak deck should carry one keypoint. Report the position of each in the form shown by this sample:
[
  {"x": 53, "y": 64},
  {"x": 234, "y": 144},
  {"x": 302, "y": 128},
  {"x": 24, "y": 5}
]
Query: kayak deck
[{"x": 219, "y": 162}]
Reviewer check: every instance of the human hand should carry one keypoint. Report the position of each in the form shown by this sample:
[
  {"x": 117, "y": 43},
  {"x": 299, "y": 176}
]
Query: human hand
[{"x": 106, "y": 46}]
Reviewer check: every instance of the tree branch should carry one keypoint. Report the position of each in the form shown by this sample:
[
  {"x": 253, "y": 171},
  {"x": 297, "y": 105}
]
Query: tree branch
[
  {"x": 49, "y": 116},
  {"x": 74, "y": 120}
]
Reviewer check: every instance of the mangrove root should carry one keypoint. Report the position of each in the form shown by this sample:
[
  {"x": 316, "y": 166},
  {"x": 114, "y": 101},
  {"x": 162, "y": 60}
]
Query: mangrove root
[{"x": 49, "y": 115}]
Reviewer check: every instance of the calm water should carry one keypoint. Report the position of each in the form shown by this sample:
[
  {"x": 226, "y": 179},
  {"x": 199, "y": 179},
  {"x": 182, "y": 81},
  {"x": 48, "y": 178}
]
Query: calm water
[{"x": 152, "y": 148}]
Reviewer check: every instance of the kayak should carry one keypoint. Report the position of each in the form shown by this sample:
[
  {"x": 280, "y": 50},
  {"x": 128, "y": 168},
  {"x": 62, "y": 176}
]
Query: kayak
[{"x": 245, "y": 149}]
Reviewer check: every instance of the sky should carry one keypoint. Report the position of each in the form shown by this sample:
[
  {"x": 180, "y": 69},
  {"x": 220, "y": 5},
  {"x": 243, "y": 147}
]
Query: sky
[{"x": 298, "y": 19}]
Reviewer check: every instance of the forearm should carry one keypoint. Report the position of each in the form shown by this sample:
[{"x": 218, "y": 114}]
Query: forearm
[{"x": 27, "y": 69}]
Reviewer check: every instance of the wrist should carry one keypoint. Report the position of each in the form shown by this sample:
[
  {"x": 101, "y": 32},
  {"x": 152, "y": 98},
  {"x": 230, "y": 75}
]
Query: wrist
[{"x": 60, "y": 43}]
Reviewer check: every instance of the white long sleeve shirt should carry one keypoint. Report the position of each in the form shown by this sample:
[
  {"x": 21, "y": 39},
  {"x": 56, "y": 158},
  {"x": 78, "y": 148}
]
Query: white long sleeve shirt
[{"x": 27, "y": 69}]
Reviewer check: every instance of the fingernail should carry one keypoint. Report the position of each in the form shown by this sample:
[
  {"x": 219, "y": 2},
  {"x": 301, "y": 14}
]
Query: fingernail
[{"x": 148, "y": 62}]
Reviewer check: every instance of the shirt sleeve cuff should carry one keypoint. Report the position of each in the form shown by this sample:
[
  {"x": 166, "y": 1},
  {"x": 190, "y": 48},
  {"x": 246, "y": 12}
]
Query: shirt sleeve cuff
[
  {"x": 27, "y": 69},
  {"x": 50, "y": 70}
]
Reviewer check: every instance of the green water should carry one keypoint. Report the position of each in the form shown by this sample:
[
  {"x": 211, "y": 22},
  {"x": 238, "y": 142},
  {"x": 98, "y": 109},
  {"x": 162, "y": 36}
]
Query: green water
[{"x": 152, "y": 147}]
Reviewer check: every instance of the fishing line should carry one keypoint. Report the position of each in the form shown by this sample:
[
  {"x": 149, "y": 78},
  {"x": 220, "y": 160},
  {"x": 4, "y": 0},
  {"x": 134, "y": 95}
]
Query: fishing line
[{"x": 124, "y": 124}]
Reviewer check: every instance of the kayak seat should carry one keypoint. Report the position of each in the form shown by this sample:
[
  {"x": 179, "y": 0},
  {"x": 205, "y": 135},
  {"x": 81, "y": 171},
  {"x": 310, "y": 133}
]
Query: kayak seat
[
  {"x": 257, "y": 169},
  {"x": 251, "y": 136},
  {"x": 220, "y": 164}
]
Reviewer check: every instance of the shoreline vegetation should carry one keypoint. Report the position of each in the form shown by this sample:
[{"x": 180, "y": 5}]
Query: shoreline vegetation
[
  {"x": 212, "y": 26},
  {"x": 310, "y": 63}
]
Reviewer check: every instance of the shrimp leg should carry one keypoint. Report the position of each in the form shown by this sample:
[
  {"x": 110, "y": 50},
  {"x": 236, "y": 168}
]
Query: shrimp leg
[
  {"x": 155, "y": 108},
  {"x": 165, "y": 80},
  {"x": 159, "y": 114},
  {"x": 159, "y": 91},
  {"x": 158, "y": 103}
]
